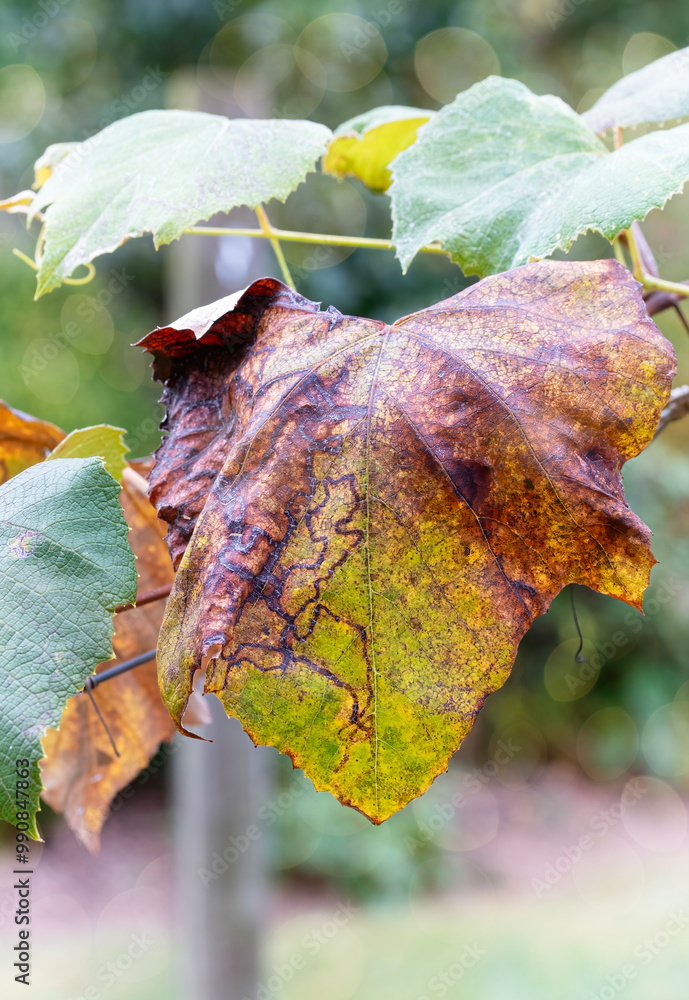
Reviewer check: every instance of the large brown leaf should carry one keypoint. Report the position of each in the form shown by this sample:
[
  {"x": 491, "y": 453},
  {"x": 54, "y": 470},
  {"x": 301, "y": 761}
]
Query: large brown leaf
[
  {"x": 379, "y": 512},
  {"x": 81, "y": 774},
  {"x": 24, "y": 440}
]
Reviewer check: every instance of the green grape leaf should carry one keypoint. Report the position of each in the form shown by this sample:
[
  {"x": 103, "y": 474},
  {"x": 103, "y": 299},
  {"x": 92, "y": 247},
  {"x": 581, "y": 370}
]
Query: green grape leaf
[
  {"x": 656, "y": 93},
  {"x": 103, "y": 441},
  {"x": 65, "y": 563},
  {"x": 364, "y": 146},
  {"x": 161, "y": 172},
  {"x": 501, "y": 176}
]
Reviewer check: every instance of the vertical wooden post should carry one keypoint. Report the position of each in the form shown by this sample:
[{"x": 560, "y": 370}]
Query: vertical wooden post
[
  {"x": 218, "y": 787},
  {"x": 221, "y": 889}
]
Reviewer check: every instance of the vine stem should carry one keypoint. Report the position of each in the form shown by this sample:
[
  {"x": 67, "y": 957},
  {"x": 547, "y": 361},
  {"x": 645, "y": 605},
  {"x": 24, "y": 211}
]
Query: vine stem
[
  {"x": 26, "y": 259},
  {"x": 677, "y": 407},
  {"x": 89, "y": 691},
  {"x": 121, "y": 668},
  {"x": 106, "y": 675},
  {"x": 637, "y": 264},
  {"x": 619, "y": 252},
  {"x": 270, "y": 234},
  {"x": 651, "y": 282},
  {"x": 147, "y": 597},
  {"x": 291, "y": 236}
]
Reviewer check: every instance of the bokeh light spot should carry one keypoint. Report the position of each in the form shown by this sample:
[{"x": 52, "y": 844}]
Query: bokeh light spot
[
  {"x": 607, "y": 743},
  {"x": 564, "y": 678},
  {"x": 50, "y": 371},
  {"x": 136, "y": 914},
  {"x": 122, "y": 367},
  {"x": 350, "y": 48},
  {"x": 659, "y": 821},
  {"x": 272, "y": 83},
  {"x": 665, "y": 739},
  {"x": 644, "y": 48},
  {"x": 22, "y": 101},
  {"x": 449, "y": 60},
  {"x": 77, "y": 44},
  {"x": 86, "y": 324}
]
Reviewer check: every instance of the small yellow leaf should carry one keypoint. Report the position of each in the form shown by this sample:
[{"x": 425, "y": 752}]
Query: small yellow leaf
[
  {"x": 17, "y": 202},
  {"x": 365, "y": 146}
]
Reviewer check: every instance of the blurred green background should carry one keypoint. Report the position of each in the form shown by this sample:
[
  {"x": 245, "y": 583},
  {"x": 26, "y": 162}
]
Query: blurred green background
[{"x": 69, "y": 67}]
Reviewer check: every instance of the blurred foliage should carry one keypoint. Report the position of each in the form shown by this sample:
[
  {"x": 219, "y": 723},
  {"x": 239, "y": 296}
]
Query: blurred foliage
[{"x": 72, "y": 66}]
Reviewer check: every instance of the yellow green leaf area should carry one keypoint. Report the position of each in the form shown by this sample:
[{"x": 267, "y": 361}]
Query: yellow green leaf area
[
  {"x": 397, "y": 504},
  {"x": 367, "y": 154},
  {"x": 102, "y": 440}
]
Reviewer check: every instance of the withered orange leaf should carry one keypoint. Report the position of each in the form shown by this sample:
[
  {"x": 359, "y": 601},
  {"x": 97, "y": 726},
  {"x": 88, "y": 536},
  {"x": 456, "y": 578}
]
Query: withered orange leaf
[
  {"x": 379, "y": 512},
  {"x": 81, "y": 774},
  {"x": 24, "y": 441}
]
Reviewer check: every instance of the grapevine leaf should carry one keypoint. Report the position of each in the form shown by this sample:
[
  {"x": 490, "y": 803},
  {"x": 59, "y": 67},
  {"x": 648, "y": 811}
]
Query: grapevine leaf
[
  {"x": 81, "y": 774},
  {"x": 64, "y": 565},
  {"x": 24, "y": 440},
  {"x": 656, "y": 93},
  {"x": 501, "y": 176},
  {"x": 364, "y": 146},
  {"x": 103, "y": 441},
  {"x": 161, "y": 172},
  {"x": 43, "y": 168},
  {"x": 45, "y": 165},
  {"x": 381, "y": 511}
]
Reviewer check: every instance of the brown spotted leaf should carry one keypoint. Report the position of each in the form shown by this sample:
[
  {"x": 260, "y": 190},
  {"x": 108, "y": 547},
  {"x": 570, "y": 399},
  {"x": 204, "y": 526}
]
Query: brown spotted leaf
[
  {"x": 24, "y": 440},
  {"x": 380, "y": 512},
  {"x": 81, "y": 774}
]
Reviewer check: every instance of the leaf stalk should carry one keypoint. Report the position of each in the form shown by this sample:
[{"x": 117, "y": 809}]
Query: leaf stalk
[
  {"x": 651, "y": 282},
  {"x": 291, "y": 236},
  {"x": 269, "y": 233}
]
